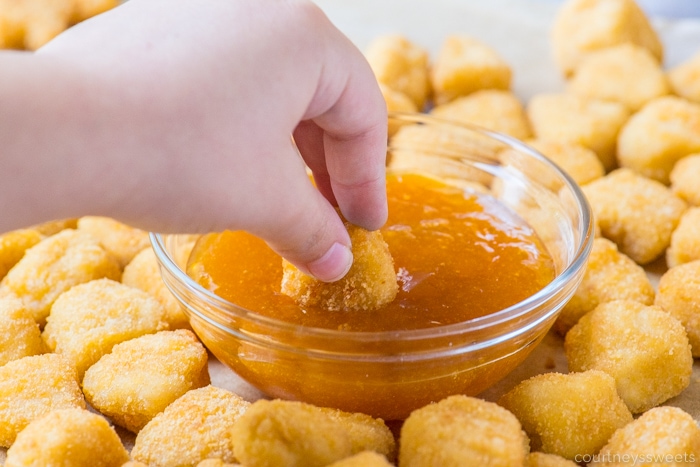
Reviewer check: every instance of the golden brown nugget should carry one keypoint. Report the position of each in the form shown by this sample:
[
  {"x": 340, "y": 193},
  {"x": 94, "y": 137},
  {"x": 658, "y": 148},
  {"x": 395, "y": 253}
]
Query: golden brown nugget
[
  {"x": 625, "y": 73},
  {"x": 30, "y": 387},
  {"x": 492, "y": 109},
  {"x": 684, "y": 179},
  {"x": 662, "y": 436},
  {"x": 645, "y": 350},
  {"x": 542, "y": 459},
  {"x": 141, "y": 464},
  {"x": 579, "y": 162},
  {"x": 214, "y": 463},
  {"x": 592, "y": 123},
  {"x": 568, "y": 414},
  {"x": 68, "y": 437},
  {"x": 584, "y": 26},
  {"x": 635, "y": 212},
  {"x": 19, "y": 334},
  {"x": 363, "y": 459},
  {"x": 143, "y": 375},
  {"x": 53, "y": 227},
  {"x": 665, "y": 130},
  {"x": 121, "y": 240},
  {"x": 610, "y": 275},
  {"x": 175, "y": 436},
  {"x": 143, "y": 272},
  {"x": 462, "y": 431},
  {"x": 366, "y": 433},
  {"x": 465, "y": 65},
  {"x": 685, "y": 240},
  {"x": 91, "y": 318},
  {"x": 401, "y": 65},
  {"x": 369, "y": 284},
  {"x": 13, "y": 245},
  {"x": 53, "y": 266},
  {"x": 685, "y": 79},
  {"x": 679, "y": 295}
]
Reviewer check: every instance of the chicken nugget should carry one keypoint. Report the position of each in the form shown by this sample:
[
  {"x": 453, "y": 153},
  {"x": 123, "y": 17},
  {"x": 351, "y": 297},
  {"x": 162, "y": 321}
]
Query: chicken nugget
[
  {"x": 396, "y": 101},
  {"x": 143, "y": 375},
  {"x": 213, "y": 463},
  {"x": 610, "y": 275},
  {"x": 143, "y": 272},
  {"x": 579, "y": 162},
  {"x": 625, "y": 73},
  {"x": 635, "y": 212},
  {"x": 68, "y": 437},
  {"x": 644, "y": 348},
  {"x": 679, "y": 295},
  {"x": 85, "y": 9},
  {"x": 685, "y": 79},
  {"x": 592, "y": 123},
  {"x": 363, "y": 459},
  {"x": 13, "y": 245},
  {"x": 492, "y": 109},
  {"x": 684, "y": 179},
  {"x": 121, "y": 240},
  {"x": 665, "y": 130},
  {"x": 685, "y": 239},
  {"x": 542, "y": 459},
  {"x": 54, "y": 265},
  {"x": 462, "y": 431},
  {"x": 19, "y": 334},
  {"x": 91, "y": 318},
  {"x": 175, "y": 437},
  {"x": 568, "y": 414},
  {"x": 30, "y": 387},
  {"x": 53, "y": 227},
  {"x": 584, "y": 26},
  {"x": 366, "y": 433},
  {"x": 662, "y": 436},
  {"x": 369, "y": 284},
  {"x": 465, "y": 65},
  {"x": 401, "y": 65}
]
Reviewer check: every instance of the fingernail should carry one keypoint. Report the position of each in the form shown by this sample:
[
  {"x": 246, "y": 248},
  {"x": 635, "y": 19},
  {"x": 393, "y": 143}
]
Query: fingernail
[{"x": 333, "y": 265}]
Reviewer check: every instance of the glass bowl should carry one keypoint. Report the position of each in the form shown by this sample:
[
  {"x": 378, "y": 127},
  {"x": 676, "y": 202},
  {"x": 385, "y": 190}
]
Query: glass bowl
[{"x": 388, "y": 374}]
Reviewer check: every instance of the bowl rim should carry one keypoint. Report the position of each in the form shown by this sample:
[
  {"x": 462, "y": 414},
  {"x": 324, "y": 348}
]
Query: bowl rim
[{"x": 512, "y": 313}]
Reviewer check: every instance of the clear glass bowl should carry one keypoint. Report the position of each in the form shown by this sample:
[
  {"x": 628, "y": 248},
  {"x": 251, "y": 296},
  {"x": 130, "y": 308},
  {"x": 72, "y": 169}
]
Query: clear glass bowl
[{"x": 388, "y": 374}]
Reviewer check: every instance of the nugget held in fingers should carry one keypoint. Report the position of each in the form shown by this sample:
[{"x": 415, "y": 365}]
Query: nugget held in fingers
[
  {"x": 68, "y": 437},
  {"x": 91, "y": 318},
  {"x": 19, "y": 334},
  {"x": 370, "y": 284},
  {"x": 30, "y": 387},
  {"x": 142, "y": 376}
]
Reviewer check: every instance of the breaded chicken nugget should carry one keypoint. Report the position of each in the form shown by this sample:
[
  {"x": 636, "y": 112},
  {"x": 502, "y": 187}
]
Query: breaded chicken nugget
[
  {"x": 89, "y": 319},
  {"x": 684, "y": 179},
  {"x": 685, "y": 240},
  {"x": 644, "y": 348},
  {"x": 396, "y": 101},
  {"x": 141, "y": 464},
  {"x": 625, "y": 73},
  {"x": 175, "y": 436},
  {"x": 665, "y": 130},
  {"x": 465, "y": 65},
  {"x": 19, "y": 334},
  {"x": 635, "y": 212},
  {"x": 401, "y": 65},
  {"x": 143, "y": 272},
  {"x": 592, "y": 123},
  {"x": 679, "y": 295},
  {"x": 277, "y": 432},
  {"x": 53, "y": 266},
  {"x": 121, "y": 240},
  {"x": 610, "y": 275},
  {"x": 363, "y": 459},
  {"x": 366, "y": 433},
  {"x": 13, "y": 245},
  {"x": 370, "y": 284},
  {"x": 579, "y": 162},
  {"x": 583, "y": 26},
  {"x": 53, "y": 227},
  {"x": 68, "y": 437},
  {"x": 30, "y": 387},
  {"x": 568, "y": 414},
  {"x": 542, "y": 459},
  {"x": 492, "y": 109},
  {"x": 685, "y": 79},
  {"x": 142, "y": 376},
  {"x": 662, "y": 436},
  {"x": 213, "y": 463},
  {"x": 462, "y": 431}
]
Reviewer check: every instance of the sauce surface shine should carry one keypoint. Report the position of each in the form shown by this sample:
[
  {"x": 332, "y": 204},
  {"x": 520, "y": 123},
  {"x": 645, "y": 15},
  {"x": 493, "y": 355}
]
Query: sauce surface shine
[{"x": 458, "y": 255}]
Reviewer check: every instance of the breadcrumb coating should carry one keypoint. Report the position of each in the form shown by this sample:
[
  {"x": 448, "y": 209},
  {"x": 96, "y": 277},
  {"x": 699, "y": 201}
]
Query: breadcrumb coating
[
  {"x": 19, "y": 334},
  {"x": 363, "y": 459},
  {"x": 679, "y": 295},
  {"x": 579, "y": 162},
  {"x": 685, "y": 78},
  {"x": 119, "y": 239},
  {"x": 684, "y": 177},
  {"x": 13, "y": 245}
]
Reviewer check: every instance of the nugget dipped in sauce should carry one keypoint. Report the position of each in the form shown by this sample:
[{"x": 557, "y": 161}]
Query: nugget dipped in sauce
[{"x": 370, "y": 284}]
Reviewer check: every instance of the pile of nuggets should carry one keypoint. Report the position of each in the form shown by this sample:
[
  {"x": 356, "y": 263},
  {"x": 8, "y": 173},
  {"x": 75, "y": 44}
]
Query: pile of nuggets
[{"x": 91, "y": 341}]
